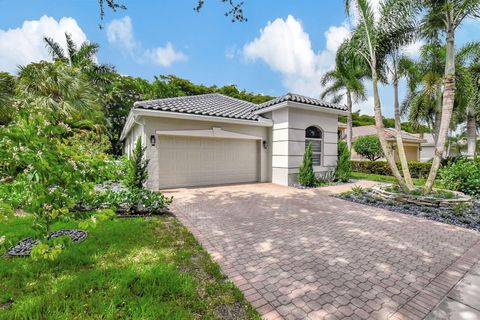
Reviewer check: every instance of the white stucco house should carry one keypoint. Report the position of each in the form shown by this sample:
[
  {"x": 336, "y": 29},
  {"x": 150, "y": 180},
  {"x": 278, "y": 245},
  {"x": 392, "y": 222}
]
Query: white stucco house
[{"x": 214, "y": 139}]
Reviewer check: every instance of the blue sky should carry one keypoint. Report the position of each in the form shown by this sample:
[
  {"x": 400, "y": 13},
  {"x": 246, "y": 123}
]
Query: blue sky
[{"x": 284, "y": 46}]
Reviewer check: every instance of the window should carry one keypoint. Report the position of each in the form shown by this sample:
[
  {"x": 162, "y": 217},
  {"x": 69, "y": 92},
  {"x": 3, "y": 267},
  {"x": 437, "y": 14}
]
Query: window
[{"x": 314, "y": 136}]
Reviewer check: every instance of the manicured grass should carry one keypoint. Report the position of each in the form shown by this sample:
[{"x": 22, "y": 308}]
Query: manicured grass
[
  {"x": 126, "y": 269},
  {"x": 388, "y": 179}
]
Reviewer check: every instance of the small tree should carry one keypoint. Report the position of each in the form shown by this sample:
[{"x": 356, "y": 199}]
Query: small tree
[
  {"x": 306, "y": 175},
  {"x": 137, "y": 173},
  {"x": 368, "y": 147},
  {"x": 344, "y": 165}
]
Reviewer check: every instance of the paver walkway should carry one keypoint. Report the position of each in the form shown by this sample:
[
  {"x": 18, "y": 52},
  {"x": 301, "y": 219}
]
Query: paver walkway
[{"x": 301, "y": 254}]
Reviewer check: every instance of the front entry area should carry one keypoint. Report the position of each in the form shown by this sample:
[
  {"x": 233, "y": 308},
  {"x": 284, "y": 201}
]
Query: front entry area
[{"x": 196, "y": 161}]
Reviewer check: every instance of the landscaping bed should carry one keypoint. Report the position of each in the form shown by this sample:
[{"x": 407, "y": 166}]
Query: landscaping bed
[
  {"x": 463, "y": 215},
  {"x": 124, "y": 269}
]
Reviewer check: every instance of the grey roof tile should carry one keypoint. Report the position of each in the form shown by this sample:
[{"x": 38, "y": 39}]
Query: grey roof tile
[
  {"x": 293, "y": 97},
  {"x": 212, "y": 104},
  {"x": 218, "y": 105}
]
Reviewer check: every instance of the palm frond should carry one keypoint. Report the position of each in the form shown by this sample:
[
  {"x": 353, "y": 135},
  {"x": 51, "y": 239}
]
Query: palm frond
[{"x": 54, "y": 49}]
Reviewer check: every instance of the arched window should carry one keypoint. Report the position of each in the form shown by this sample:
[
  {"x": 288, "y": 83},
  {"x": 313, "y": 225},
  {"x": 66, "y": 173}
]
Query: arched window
[{"x": 314, "y": 136}]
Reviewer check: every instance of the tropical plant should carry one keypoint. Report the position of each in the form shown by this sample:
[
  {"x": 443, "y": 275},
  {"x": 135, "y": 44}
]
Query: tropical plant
[
  {"x": 368, "y": 147},
  {"x": 137, "y": 167},
  {"x": 7, "y": 95},
  {"x": 462, "y": 175},
  {"x": 306, "y": 175},
  {"x": 345, "y": 81},
  {"x": 372, "y": 40},
  {"x": 444, "y": 17},
  {"x": 343, "y": 171},
  {"x": 83, "y": 57}
]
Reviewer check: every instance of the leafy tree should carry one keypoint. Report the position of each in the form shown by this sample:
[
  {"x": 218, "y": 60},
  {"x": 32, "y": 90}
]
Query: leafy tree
[
  {"x": 368, "y": 147},
  {"x": 306, "y": 175},
  {"x": 345, "y": 81},
  {"x": 343, "y": 171},
  {"x": 7, "y": 95},
  {"x": 137, "y": 167},
  {"x": 444, "y": 17}
]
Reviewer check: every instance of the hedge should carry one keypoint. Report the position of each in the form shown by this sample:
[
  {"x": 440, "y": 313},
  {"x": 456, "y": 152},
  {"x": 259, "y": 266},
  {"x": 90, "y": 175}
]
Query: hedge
[{"x": 417, "y": 169}]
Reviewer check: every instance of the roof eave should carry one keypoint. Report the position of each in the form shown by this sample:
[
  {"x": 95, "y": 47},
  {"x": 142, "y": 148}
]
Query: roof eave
[
  {"x": 299, "y": 105},
  {"x": 263, "y": 122}
]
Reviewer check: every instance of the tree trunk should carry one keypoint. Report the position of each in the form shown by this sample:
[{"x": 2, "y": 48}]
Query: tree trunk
[
  {"x": 349, "y": 121},
  {"x": 398, "y": 128},
  {"x": 447, "y": 108},
  {"x": 471, "y": 135},
  {"x": 381, "y": 133}
]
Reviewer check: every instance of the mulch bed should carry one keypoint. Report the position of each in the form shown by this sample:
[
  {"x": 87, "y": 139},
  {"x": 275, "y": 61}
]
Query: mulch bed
[
  {"x": 24, "y": 247},
  {"x": 457, "y": 215}
]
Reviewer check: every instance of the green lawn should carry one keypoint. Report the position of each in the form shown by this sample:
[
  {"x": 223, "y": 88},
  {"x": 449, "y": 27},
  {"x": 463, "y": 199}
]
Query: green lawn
[
  {"x": 390, "y": 179},
  {"x": 126, "y": 269}
]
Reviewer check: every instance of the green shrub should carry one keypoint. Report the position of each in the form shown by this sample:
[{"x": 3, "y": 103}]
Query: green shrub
[
  {"x": 462, "y": 175},
  {"x": 417, "y": 169},
  {"x": 368, "y": 147},
  {"x": 306, "y": 175},
  {"x": 344, "y": 165},
  {"x": 136, "y": 169}
]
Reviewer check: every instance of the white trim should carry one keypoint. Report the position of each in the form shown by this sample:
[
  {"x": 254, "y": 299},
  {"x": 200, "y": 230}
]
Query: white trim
[
  {"x": 177, "y": 115},
  {"x": 262, "y": 122},
  {"x": 300, "y": 106},
  {"x": 212, "y": 133}
]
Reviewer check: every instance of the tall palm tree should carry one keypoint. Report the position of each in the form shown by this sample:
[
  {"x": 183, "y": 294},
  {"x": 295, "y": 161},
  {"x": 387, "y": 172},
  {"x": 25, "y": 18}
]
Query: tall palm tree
[
  {"x": 467, "y": 102},
  {"x": 372, "y": 40},
  {"x": 445, "y": 16},
  {"x": 345, "y": 81},
  {"x": 423, "y": 103},
  {"x": 83, "y": 57}
]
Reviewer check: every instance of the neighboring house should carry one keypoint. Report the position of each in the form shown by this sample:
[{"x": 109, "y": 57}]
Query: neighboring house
[
  {"x": 214, "y": 139},
  {"x": 427, "y": 148},
  {"x": 411, "y": 142}
]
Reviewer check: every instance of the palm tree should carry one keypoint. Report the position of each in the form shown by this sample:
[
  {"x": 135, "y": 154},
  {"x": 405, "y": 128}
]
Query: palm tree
[
  {"x": 445, "y": 16},
  {"x": 345, "y": 81},
  {"x": 372, "y": 40},
  {"x": 83, "y": 58},
  {"x": 467, "y": 102},
  {"x": 56, "y": 90},
  {"x": 423, "y": 103}
]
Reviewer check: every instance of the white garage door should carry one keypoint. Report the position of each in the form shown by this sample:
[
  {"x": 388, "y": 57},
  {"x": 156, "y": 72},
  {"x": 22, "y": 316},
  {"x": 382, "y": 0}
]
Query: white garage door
[{"x": 190, "y": 161}]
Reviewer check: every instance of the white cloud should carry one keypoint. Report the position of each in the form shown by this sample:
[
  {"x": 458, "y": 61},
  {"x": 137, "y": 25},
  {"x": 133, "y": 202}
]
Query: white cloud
[
  {"x": 413, "y": 50},
  {"x": 24, "y": 45},
  {"x": 365, "y": 107},
  {"x": 230, "y": 52},
  {"x": 166, "y": 56},
  {"x": 287, "y": 49},
  {"x": 120, "y": 33}
]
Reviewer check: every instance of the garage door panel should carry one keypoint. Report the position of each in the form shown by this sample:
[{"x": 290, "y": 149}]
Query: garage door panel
[{"x": 189, "y": 161}]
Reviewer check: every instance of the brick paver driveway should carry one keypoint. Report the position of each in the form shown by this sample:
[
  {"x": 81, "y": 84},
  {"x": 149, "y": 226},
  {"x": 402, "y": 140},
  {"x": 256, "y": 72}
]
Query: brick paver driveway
[{"x": 301, "y": 254}]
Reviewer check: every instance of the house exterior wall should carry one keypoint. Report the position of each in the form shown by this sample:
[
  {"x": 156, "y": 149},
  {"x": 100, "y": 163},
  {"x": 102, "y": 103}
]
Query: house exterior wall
[
  {"x": 136, "y": 131},
  {"x": 288, "y": 136},
  {"x": 154, "y": 124},
  {"x": 427, "y": 153},
  {"x": 411, "y": 151}
]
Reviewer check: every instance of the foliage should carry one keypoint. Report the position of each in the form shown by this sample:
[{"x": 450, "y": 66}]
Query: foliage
[
  {"x": 368, "y": 147},
  {"x": 7, "y": 94},
  {"x": 462, "y": 175},
  {"x": 137, "y": 167},
  {"x": 417, "y": 169},
  {"x": 306, "y": 175},
  {"x": 125, "y": 269},
  {"x": 132, "y": 200},
  {"x": 344, "y": 165}
]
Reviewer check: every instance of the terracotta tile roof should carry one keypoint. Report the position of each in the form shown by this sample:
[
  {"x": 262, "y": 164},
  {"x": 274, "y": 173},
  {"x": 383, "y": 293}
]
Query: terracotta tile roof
[{"x": 390, "y": 133}]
